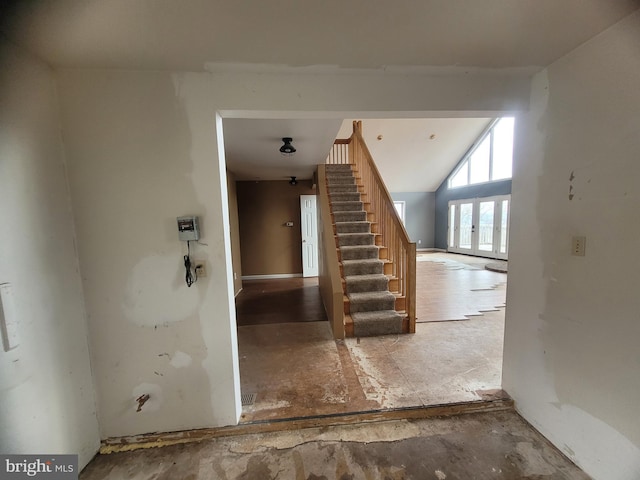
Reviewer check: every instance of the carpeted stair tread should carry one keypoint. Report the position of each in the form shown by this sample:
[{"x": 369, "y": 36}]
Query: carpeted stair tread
[
  {"x": 362, "y": 267},
  {"x": 383, "y": 322},
  {"x": 371, "y": 304},
  {"x": 338, "y": 167},
  {"x": 359, "y": 252},
  {"x": 346, "y": 206},
  {"x": 353, "y": 227},
  {"x": 353, "y": 239},
  {"x": 343, "y": 188},
  {"x": 366, "y": 283},
  {"x": 371, "y": 301},
  {"x": 345, "y": 197},
  {"x": 341, "y": 180},
  {"x": 349, "y": 216}
]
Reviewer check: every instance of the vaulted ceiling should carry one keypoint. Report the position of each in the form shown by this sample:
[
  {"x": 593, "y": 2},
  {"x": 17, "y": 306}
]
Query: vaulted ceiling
[{"x": 209, "y": 35}]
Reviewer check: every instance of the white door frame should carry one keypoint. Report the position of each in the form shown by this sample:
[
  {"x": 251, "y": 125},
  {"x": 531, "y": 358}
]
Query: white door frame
[
  {"x": 500, "y": 247},
  {"x": 309, "y": 231}
]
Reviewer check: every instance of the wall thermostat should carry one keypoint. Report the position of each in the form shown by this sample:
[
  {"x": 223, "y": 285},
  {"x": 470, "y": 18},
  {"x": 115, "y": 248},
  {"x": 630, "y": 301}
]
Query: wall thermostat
[{"x": 188, "y": 229}]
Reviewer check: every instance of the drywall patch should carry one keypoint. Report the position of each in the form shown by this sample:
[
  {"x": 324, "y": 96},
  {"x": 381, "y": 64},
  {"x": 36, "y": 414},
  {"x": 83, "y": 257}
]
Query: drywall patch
[
  {"x": 154, "y": 280},
  {"x": 180, "y": 360},
  {"x": 154, "y": 401}
]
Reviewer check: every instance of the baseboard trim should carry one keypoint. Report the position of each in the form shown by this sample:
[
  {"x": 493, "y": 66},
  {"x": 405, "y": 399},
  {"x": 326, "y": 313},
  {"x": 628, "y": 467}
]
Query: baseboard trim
[
  {"x": 153, "y": 440},
  {"x": 431, "y": 250},
  {"x": 269, "y": 277},
  {"x": 238, "y": 293}
]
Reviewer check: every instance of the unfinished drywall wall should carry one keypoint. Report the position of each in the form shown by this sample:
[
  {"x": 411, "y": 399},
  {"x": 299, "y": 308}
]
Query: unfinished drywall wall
[
  {"x": 142, "y": 153},
  {"x": 419, "y": 216},
  {"x": 571, "y": 358},
  {"x": 234, "y": 230},
  {"x": 145, "y": 147},
  {"x": 47, "y": 401},
  {"x": 269, "y": 246}
]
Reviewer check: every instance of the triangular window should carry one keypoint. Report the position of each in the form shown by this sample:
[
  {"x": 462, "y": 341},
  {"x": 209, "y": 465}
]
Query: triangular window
[{"x": 489, "y": 159}]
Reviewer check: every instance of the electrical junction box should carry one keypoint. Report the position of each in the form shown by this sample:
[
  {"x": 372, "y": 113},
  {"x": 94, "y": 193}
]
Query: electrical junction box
[{"x": 188, "y": 229}]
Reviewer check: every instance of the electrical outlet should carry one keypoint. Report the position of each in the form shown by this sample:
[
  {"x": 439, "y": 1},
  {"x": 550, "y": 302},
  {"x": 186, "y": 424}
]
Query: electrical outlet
[
  {"x": 578, "y": 246},
  {"x": 200, "y": 269}
]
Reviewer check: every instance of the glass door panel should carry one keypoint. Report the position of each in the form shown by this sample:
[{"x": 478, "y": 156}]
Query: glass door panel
[
  {"x": 479, "y": 226},
  {"x": 504, "y": 226},
  {"x": 465, "y": 241},
  {"x": 452, "y": 226},
  {"x": 485, "y": 226}
]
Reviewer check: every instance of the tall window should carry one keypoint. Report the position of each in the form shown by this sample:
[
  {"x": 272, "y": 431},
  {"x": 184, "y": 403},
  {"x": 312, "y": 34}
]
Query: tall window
[
  {"x": 400, "y": 208},
  {"x": 490, "y": 159}
]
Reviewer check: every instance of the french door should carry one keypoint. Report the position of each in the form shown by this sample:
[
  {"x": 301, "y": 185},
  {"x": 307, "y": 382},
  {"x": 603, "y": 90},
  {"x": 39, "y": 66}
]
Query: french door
[{"x": 480, "y": 226}]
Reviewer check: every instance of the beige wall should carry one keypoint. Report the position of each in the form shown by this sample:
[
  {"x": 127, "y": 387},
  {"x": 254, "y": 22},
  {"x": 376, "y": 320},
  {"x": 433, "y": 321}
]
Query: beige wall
[
  {"x": 234, "y": 230},
  {"x": 268, "y": 246}
]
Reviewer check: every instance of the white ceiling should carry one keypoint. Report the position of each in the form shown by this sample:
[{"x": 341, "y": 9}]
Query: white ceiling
[
  {"x": 252, "y": 146},
  {"x": 408, "y": 158},
  {"x": 190, "y": 34},
  {"x": 202, "y": 35}
]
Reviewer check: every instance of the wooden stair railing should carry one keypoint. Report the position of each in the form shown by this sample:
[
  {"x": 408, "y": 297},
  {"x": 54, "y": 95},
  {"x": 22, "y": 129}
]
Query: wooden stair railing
[{"x": 401, "y": 252}]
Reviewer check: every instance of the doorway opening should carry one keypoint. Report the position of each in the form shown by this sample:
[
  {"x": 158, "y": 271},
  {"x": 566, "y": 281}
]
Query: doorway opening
[{"x": 297, "y": 369}]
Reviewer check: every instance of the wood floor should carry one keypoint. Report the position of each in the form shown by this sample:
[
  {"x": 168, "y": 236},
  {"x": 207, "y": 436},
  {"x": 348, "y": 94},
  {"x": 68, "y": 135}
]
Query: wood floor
[
  {"x": 290, "y": 360},
  {"x": 288, "y": 300},
  {"x": 456, "y": 287}
]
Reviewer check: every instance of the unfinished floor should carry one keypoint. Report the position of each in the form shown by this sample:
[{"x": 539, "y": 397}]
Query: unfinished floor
[
  {"x": 297, "y": 369},
  {"x": 307, "y": 383},
  {"x": 495, "y": 445}
]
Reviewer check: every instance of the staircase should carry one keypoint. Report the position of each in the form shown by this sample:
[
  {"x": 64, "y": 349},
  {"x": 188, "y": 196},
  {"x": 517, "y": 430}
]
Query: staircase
[{"x": 370, "y": 306}]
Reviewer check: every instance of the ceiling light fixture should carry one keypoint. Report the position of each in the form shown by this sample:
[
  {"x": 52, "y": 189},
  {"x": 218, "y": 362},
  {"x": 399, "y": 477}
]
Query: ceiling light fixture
[
  {"x": 293, "y": 181},
  {"x": 287, "y": 149}
]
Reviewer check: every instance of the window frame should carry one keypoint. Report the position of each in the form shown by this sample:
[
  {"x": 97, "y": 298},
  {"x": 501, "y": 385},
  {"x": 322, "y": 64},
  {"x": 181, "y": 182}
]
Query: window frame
[{"x": 466, "y": 158}]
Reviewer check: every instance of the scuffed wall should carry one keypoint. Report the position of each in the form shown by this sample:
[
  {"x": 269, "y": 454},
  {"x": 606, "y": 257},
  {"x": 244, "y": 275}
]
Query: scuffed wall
[
  {"x": 145, "y": 147},
  {"x": 571, "y": 357},
  {"x": 47, "y": 400}
]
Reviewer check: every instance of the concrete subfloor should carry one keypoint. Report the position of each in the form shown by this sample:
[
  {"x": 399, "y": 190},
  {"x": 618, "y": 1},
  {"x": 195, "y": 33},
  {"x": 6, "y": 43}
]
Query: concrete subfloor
[{"x": 494, "y": 445}]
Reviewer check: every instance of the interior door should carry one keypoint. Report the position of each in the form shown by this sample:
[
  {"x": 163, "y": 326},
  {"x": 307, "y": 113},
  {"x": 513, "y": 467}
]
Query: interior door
[{"x": 309, "y": 230}]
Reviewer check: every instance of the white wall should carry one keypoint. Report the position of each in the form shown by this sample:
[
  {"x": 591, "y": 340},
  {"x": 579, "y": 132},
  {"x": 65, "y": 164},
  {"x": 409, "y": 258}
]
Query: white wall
[
  {"x": 47, "y": 402},
  {"x": 572, "y": 356},
  {"x": 143, "y": 149}
]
